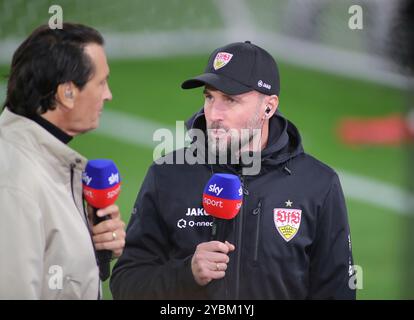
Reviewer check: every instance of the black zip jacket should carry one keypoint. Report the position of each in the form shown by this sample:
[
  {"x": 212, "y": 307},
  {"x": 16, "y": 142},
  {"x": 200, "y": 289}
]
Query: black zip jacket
[{"x": 308, "y": 258}]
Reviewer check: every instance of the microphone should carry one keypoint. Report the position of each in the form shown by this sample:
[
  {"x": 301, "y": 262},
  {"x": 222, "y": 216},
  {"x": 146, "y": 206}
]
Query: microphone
[
  {"x": 101, "y": 187},
  {"x": 222, "y": 198}
]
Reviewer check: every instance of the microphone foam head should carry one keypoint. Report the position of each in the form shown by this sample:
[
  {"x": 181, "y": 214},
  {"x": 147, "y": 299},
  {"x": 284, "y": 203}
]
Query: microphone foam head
[
  {"x": 101, "y": 183},
  {"x": 222, "y": 196}
]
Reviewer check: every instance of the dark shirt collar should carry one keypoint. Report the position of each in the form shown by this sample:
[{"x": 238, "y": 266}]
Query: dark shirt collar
[{"x": 51, "y": 128}]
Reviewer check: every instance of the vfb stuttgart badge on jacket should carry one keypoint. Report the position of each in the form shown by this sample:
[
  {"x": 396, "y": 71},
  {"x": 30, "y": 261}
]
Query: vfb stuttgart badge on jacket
[
  {"x": 221, "y": 59},
  {"x": 287, "y": 222}
]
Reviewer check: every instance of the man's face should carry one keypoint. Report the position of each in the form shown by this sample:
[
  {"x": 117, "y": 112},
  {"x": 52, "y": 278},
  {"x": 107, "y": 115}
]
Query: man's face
[
  {"x": 90, "y": 100},
  {"x": 227, "y": 116}
]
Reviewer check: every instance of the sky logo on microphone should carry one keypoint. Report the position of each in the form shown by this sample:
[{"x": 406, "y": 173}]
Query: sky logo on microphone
[
  {"x": 86, "y": 179},
  {"x": 114, "y": 178},
  {"x": 215, "y": 189}
]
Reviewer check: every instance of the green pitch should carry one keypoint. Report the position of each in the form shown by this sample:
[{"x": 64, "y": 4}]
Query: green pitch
[{"x": 315, "y": 102}]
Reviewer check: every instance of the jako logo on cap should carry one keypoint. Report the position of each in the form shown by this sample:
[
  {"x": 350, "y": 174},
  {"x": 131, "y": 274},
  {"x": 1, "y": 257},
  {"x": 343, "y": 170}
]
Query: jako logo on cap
[{"x": 221, "y": 59}]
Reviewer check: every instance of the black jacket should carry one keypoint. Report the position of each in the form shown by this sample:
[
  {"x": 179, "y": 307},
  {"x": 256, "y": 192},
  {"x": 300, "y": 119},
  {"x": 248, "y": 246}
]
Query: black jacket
[{"x": 168, "y": 222}]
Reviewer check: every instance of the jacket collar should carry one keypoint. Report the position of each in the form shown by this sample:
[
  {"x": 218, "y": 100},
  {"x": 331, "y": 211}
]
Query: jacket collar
[
  {"x": 23, "y": 132},
  {"x": 51, "y": 128}
]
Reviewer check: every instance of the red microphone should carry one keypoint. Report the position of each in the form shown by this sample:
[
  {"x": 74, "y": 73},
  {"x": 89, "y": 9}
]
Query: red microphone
[
  {"x": 101, "y": 187},
  {"x": 222, "y": 198}
]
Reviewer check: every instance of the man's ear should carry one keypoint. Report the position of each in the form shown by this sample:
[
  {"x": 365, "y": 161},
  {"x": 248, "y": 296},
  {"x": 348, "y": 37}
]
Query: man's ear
[
  {"x": 66, "y": 94},
  {"x": 272, "y": 102}
]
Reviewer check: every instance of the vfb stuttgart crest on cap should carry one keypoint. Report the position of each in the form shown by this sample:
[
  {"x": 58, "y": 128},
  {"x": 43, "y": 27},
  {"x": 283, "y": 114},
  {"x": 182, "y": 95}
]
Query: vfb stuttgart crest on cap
[
  {"x": 221, "y": 59},
  {"x": 287, "y": 222}
]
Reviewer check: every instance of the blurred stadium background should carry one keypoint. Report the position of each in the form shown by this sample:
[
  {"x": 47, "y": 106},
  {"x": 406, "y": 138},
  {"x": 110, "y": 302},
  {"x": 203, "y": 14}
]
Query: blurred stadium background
[{"x": 328, "y": 72}]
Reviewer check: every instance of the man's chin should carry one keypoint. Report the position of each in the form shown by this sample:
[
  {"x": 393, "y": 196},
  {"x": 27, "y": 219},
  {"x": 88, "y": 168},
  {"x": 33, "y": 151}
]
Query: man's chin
[{"x": 93, "y": 126}]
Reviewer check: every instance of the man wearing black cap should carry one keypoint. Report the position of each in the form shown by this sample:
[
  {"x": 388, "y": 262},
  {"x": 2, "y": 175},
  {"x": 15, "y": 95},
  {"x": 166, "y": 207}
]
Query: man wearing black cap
[
  {"x": 291, "y": 238},
  {"x": 245, "y": 76}
]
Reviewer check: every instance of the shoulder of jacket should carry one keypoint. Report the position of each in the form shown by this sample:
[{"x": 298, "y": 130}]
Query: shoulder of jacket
[
  {"x": 320, "y": 167},
  {"x": 18, "y": 170}
]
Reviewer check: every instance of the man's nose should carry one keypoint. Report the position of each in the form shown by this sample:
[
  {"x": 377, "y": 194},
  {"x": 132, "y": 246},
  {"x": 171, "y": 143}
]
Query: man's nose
[
  {"x": 217, "y": 111},
  {"x": 107, "y": 94}
]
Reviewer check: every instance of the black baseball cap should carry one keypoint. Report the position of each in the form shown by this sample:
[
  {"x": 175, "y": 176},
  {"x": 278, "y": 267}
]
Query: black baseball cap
[{"x": 238, "y": 68}]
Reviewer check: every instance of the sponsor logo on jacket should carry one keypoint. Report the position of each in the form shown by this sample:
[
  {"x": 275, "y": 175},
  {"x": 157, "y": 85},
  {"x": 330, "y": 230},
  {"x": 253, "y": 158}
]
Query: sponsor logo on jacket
[
  {"x": 196, "y": 212},
  {"x": 190, "y": 222}
]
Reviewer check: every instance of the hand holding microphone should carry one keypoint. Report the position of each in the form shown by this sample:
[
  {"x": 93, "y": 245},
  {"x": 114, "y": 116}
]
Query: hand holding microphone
[
  {"x": 222, "y": 199},
  {"x": 210, "y": 261},
  {"x": 109, "y": 234},
  {"x": 101, "y": 187}
]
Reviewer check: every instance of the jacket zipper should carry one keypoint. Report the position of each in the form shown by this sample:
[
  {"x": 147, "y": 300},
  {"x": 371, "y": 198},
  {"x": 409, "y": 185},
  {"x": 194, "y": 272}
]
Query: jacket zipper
[
  {"x": 72, "y": 173},
  {"x": 257, "y": 212},
  {"x": 239, "y": 239}
]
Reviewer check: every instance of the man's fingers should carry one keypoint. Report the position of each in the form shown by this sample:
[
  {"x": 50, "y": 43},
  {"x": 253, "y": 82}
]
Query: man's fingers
[
  {"x": 218, "y": 266},
  {"x": 216, "y": 246},
  {"x": 117, "y": 253},
  {"x": 208, "y": 271},
  {"x": 211, "y": 265},
  {"x": 209, "y": 274},
  {"x": 108, "y": 226},
  {"x": 210, "y": 260},
  {"x": 216, "y": 257},
  {"x": 103, "y": 237},
  {"x": 112, "y": 245},
  {"x": 109, "y": 236},
  {"x": 230, "y": 246},
  {"x": 212, "y": 276},
  {"x": 111, "y": 210}
]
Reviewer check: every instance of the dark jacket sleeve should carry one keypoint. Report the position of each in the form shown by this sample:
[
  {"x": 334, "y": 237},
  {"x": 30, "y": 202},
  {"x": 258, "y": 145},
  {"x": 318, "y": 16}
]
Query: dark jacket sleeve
[
  {"x": 145, "y": 271},
  {"x": 331, "y": 255}
]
